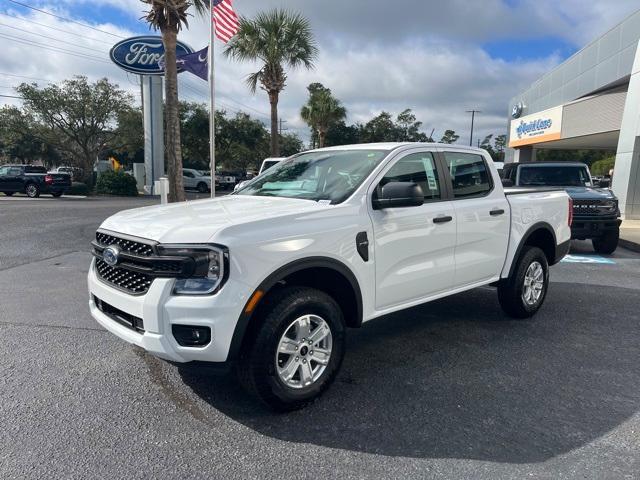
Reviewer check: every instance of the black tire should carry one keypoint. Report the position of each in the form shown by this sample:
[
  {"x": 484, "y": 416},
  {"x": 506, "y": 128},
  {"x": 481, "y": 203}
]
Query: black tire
[
  {"x": 57, "y": 194},
  {"x": 202, "y": 187},
  {"x": 257, "y": 366},
  {"x": 9, "y": 194},
  {"x": 510, "y": 291},
  {"x": 607, "y": 243},
  {"x": 32, "y": 190}
]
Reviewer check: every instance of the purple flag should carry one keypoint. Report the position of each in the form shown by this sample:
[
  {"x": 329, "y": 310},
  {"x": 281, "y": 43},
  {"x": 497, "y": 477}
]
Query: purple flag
[{"x": 196, "y": 63}]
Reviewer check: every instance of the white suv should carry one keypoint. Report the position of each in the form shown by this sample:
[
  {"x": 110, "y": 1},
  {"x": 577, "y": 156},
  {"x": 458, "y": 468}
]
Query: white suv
[{"x": 270, "y": 277}]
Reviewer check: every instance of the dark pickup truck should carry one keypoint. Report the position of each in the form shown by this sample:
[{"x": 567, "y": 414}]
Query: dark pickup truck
[
  {"x": 595, "y": 209},
  {"x": 32, "y": 180}
]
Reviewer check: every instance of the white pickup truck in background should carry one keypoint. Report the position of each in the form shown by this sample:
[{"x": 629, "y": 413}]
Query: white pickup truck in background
[{"x": 269, "y": 278}]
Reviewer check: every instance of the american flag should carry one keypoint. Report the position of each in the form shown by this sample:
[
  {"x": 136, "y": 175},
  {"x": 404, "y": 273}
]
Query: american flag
[{"x": 225, "y": 20}]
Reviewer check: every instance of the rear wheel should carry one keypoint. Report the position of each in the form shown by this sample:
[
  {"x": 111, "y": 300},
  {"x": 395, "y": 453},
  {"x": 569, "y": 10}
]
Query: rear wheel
[
  {"x": 202, "y": 187},
  {"x": 57, "y": 194},
  {"x": 8, "y": 194},
  {"x": 296, "y": 352},
  {"x": 32, "y": 190},
  {"x": 522, "y": 294},
  {"x": 608, "y": 243}
]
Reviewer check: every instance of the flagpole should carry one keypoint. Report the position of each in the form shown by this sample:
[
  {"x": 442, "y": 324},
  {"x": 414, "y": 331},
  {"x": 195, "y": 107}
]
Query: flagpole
[{"x": 212, "y": 102}]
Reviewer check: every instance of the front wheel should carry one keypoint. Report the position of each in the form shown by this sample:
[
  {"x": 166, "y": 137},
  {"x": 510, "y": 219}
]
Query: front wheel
[
  {"x": 608, "y": 243},
  {"x": 296, "y": 352},
  {"x": 32, "y": 190},
  {"x": 523, "y": 293},
  {"x": 202, "y": 187}
]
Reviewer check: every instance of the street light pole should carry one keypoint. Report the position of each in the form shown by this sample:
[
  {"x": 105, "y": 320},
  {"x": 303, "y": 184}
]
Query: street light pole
[{"x": 473, "y": 116}]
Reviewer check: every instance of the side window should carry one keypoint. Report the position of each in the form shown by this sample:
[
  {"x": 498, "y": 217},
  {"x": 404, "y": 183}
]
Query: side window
[
  {"x": 469, "y": 174},
  {"x": 17, "y": 171},
  {"x": 188, "y": 174},
  {"x": 4, "y": 170},
  {"x": 419, "y": 168}
]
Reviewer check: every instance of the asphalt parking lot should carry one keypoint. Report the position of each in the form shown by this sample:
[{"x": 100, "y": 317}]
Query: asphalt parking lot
[{"x": 452, "y": 389}]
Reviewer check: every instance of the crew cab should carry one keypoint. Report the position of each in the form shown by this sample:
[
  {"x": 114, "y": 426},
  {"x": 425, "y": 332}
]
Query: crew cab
[
  {"x": 196, "y": 180},
  {"x": 270, "y": 277},
  {"x": 32, "y": 180},
  {"x": 596, "y": 215}
]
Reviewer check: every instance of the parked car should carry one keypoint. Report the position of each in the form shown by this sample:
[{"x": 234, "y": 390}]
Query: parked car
[
  {"x": 270, "y": 278},
  {"x": 196, "y": 180},
  {"x": 267, "y": 163},
  {"x": 596, "y": 215},
  {"x": 33, "y": 181},
  {"x": 75, "y": 172}
]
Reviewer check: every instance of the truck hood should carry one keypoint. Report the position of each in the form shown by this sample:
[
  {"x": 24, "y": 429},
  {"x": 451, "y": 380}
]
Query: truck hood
[
  {"x": 590, "y": 193},
  {"x": 198, "y": 221}
]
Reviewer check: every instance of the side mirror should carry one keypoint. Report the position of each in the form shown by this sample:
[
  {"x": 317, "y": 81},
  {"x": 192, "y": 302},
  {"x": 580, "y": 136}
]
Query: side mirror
[
  {"x": 604, "y": 183},
  {"x": 506, "y": 182},
  {"x": 399, "y": 194}
]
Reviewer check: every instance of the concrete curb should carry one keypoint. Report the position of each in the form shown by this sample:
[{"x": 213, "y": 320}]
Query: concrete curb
[{"x": 629, "y": 245}]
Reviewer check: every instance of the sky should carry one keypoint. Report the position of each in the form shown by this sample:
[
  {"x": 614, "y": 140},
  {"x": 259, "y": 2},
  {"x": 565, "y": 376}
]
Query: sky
[{"x": 439, "y": 58}]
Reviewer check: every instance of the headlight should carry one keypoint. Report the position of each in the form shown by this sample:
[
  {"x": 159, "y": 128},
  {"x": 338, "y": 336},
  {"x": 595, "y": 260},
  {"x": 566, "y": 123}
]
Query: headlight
[
  {"x": 210, "y": 270},
  {"x": 610, "y": 204}
]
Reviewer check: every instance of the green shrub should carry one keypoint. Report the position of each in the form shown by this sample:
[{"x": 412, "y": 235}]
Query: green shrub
[
  {"x": 116, "y": 183},
  {"x": 79, "y": 188},
  {"x": 602, "y": 167}
]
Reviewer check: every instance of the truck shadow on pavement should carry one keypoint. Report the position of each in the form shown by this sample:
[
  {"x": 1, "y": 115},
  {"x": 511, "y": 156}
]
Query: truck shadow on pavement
[{"x": 456, "y": 379}]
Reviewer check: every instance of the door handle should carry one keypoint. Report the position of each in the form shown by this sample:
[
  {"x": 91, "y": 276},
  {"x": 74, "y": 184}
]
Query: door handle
[
  {"x": 496, "y": 212},
  {"x": 442, "y": 219}
]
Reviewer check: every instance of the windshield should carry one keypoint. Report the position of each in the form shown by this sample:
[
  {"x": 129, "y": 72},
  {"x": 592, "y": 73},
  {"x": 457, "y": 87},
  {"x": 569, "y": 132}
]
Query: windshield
[
  {"x": 330, "y": 176},
  {"x": 554, "y": 176},
  {"x": 269, "y": 163}
]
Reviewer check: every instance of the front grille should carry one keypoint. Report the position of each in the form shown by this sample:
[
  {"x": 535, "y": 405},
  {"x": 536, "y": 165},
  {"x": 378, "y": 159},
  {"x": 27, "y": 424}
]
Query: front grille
[
  {"x": 123, "y": 318},
  {"x": 129, "y": 246},
  {"x": 128, "y": 280}
]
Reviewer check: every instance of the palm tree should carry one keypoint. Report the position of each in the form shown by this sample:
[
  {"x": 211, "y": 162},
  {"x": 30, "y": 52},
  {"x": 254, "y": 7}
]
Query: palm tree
[
  {"x": 322, "y": 111},
  {"x": 169, "y": 16},
  {"x": 276, "y": 39}
]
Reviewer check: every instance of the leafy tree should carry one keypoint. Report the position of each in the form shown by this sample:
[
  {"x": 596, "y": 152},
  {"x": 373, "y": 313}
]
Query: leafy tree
[
  {"x": 409, "y": 127},
  {"x": 449, "y": 137},
  {"x": 194, "y": 126},
  {"x": 585, "y": 156},
  {"x": 76, "y": 117},
  {"x": 322, "y": 111},
  {"x": 342, "y": 134},
  {"x": 275, "y": 39},
  {"x": 380, "y": 129},
  {"x": 602, "y": 167},
  {"x": 486, "y": 145},
  {"x": 21, "y": 140},
  {"x": 499, "y": 145},
  {"x": 241, "y": 141},
  {"x": 127, "y": 144},
  {"x": 290, "y": 144},
  {"x": 169, "y": 16}
]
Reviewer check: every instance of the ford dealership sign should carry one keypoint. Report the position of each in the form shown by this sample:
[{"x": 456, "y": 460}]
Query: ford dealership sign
[
  {"x": 540, "y": 127},
  {"x": 141, "y": 54}
]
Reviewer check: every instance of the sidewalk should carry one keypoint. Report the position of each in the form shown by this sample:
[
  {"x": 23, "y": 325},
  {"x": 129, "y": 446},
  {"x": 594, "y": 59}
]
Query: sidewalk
[{"x": 630, "y": 235}]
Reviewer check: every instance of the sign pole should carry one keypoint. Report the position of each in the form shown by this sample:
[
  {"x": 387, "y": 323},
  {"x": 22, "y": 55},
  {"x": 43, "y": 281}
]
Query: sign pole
[{"x": 212, "y": 102}]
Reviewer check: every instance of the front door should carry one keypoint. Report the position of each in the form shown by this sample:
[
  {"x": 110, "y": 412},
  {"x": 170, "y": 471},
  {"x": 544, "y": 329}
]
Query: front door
[
  {"x": 10, "y": 179},
  {"x": 414, "y": 246},
  {"x": 482, "y": 218}
]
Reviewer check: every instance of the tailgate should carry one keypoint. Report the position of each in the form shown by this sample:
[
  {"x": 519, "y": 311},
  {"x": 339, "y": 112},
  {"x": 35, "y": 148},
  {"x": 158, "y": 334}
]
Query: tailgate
[{"x": 60, "y": 179}]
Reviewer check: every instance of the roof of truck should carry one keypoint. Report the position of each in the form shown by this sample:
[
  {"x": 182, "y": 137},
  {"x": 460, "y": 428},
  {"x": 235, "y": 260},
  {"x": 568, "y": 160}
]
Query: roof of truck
[
  {"x": 395, "y": 145},
  {"x": 550, "y": 163}
]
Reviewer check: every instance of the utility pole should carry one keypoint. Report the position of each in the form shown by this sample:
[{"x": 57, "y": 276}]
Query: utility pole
[
  {"x": 473, "y": 116},
  {"x": 282, "y": 129}
]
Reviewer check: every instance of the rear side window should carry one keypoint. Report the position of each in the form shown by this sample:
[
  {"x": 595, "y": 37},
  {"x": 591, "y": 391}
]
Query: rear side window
[
  {"x": 470, "y": 175},
  {"x": 418, "y": 168},
  {"x": 35, "y": 170}
]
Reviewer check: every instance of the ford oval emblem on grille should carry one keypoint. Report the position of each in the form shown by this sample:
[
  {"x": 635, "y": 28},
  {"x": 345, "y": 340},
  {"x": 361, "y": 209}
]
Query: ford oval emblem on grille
[{"x": 111, "y": 255}]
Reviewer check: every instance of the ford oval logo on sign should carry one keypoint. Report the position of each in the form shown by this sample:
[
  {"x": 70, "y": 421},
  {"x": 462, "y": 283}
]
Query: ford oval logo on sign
[{"x": 141, "y": 54}]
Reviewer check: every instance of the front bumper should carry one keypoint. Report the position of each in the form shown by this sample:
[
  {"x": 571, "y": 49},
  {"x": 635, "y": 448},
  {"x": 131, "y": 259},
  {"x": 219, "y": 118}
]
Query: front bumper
[
  {"x": 584, "y": 227},
  {"x": 159, "y": 310}
]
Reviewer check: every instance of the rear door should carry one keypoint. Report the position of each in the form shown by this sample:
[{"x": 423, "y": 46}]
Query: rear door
[
  {"x": 482, "y": 218},
  {"x": 414, "y": 246},
  {"x": 189, "y": 179},
  {"x": 12, "y": 181}
]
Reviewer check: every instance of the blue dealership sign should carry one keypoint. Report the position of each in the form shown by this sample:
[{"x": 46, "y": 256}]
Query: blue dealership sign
[{"x": 144, "y": 55}]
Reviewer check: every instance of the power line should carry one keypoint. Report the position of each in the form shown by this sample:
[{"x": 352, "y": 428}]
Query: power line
[
  {"x": 55, "y": 49},
  {"x": 11, "y": 96},
  {"x": 51, "y": 38},
  {"x": 65, "y": 18},
  {"x": 18, "y": 17},
  {"x": 28, "y": 78}
]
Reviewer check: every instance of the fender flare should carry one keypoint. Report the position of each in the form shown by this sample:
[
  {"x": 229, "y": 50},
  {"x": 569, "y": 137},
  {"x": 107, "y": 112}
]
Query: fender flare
[
  {"x": 277, "y": 276},
  {"x": 530, "y": 231}
]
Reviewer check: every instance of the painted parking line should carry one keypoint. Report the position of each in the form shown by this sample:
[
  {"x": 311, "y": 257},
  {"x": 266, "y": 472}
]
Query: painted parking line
[{"x": 588, "y": 259}]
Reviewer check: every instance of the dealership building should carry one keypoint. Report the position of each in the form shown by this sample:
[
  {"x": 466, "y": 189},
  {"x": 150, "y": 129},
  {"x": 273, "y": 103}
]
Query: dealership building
[{"x": 591, "y": 101}]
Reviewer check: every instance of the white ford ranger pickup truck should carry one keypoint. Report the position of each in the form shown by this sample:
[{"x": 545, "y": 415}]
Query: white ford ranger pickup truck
[{"x": 268, "y": 279}]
